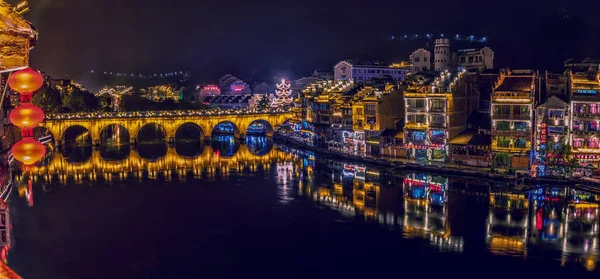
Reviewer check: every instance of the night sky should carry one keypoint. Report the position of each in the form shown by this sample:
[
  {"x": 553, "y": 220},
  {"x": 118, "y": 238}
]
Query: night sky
[{"x": 254, "y": 39}]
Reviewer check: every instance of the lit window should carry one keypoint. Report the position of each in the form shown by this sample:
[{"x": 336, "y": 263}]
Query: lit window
[{"x": 578, "y": 142}]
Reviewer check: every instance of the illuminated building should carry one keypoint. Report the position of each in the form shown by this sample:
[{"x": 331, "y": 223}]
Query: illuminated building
[
  {"x": 205, "y": 91},
  {"x": 321, "y": 107},
  {"x": 374, "y": 111},
  {"x": 231, "y": 85},
  {"x": 421, "y": 60},
  {"x": 17, "y": 38},
  {"x": 163, "y": 92},
  {"x": 512, "y": 116},
  {"x": 360, "y": 72},
  {"x": 436, "y": 111},
  {"x": 551, "y": 132},
  {"x": 585, "y": 114},
  {"x": 229, "y": 101},
  {"x": 66, "y": 86},
  {"x": 471, "y": 148}
]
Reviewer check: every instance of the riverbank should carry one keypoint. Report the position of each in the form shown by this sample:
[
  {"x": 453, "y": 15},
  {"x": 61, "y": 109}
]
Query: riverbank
[{"x": 404, "y": 165}]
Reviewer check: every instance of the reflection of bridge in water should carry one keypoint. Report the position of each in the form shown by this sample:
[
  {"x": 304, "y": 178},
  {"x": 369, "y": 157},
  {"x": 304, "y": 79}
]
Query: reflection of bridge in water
[
  {"x": 169, "y": 121},
  {"x": 171, "y": 164}
]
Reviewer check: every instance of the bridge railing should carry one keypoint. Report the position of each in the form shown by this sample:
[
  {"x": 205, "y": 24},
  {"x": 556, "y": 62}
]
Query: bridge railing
[{"x": 161, "y": 113}]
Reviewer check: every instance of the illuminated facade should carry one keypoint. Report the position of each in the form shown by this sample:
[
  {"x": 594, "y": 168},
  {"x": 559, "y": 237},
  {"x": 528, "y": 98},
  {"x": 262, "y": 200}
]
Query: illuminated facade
[
  {"x": 512, "y": 116},
  {"x": 17, "y": 38},
  {"x": 551, "y": 132},
  {"x": 436, "y": 111},
  {"x": 421, "y": 60},
  {"x": 360, "y": 72},
  {"x": 585, "y": 117},
  {"x": 163, "y": 92},
  {"x": 170, "y": 121}
]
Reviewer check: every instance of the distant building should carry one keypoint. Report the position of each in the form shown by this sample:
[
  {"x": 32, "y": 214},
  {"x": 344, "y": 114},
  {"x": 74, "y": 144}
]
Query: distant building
[
  {"x": 360, "y": 72},
  {"x": 160, "y": 93},
  {"x": 476, "y": 59},
  {"x": 229, "y": 101},
  {"x": 442, "y": 55},
  {"x": 445, "y": 59},
  {"x": 420, "y": 60},
  {"x": 582, "y": 65},
  {"x": 323, "y": 75},
  {"x": 205, "y": 91},
  {"x": 231, "y": 85},
  {"x": 66, "y": 86}
]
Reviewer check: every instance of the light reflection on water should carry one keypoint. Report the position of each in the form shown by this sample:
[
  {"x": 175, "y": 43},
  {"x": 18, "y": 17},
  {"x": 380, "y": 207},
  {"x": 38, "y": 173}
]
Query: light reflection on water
[{"x": 448, "y": 214}]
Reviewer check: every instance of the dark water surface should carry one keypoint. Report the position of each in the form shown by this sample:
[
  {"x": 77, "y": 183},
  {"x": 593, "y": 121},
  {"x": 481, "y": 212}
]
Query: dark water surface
[{"x": 231, "y": 210}]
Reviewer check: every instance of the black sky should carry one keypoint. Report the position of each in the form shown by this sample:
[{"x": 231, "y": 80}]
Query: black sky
[{"x": 255, "y": 37}]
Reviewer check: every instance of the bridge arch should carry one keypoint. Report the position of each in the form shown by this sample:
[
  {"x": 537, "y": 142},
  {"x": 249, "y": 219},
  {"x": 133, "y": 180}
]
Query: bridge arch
[
  {"x": 259, "y": 127},
  {"x": 226, "y": 127},
  {"x": 152, "y": 132},
  {"x": 189, "y": 131},
  {"x": 259, "y": 145},
  {"x": 112, "y": 133},
  {"x": 77, "y": 134}
]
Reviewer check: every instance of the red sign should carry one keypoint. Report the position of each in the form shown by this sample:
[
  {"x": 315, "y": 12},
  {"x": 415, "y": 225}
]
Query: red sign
[
  {"x": 543, "y": 133},
  {"x": 587, "y": 156}
]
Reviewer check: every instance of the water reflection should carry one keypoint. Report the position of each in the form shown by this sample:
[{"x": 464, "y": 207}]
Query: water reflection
[{"x": 450, "y": 214}]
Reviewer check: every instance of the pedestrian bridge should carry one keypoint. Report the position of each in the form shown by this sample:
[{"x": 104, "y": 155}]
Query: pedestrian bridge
[{"x": 169, "y": 121}]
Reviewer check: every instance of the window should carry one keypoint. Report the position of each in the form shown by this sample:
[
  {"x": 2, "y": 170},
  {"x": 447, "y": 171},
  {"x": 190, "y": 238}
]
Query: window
[
  {"x": 578, "y": 125},
  {"x": 502, "y": 125},
  {"x": 437, "y": 106},
  {"x": 502, "y": 111},
  {"x": 594, "y": 109},
  {"x": 580, "y": 108},
  {"x": 462, "y": 60},
  {"x": 470, "y": 59},
  {"x": 578, "y": 142},
  {"x": 520, "y": 126},
  {"x": 503, "y": 142},
  {"x": 416, "y": 59},
  {"x": 420, "y": 104},
  {"x": 438, "y": 119},
  {"x": 424, "y": 59},
  {"x": 553, "y": 113},
  {"x": 419, "y": 136},
  {"x": 520, "y": 143},
  {"x": 420, "y": 118},
  {"x": 592, "y": 126},
  {"x": 593, "y": 143},
  {"x": 371, "y": 109}
]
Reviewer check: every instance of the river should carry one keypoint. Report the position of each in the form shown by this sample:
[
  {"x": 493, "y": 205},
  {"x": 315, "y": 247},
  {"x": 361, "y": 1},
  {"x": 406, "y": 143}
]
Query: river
[{"x": 227, "y": 210}]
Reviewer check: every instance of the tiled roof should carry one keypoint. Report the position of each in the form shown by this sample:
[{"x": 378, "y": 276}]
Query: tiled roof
[
  {"x": 471, "y": 137},
  {"x": 515, "y": 84}
]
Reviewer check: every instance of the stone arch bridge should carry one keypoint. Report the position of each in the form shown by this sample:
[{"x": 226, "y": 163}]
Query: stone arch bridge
[{"x": 170, "y": 121}]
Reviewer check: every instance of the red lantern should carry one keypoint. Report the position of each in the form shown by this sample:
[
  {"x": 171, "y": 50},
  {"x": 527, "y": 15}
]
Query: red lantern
[
  {"x": 26, "y": 116},
  {"x": 28, "y": 151},
  {"x": 25, "y": 81}
]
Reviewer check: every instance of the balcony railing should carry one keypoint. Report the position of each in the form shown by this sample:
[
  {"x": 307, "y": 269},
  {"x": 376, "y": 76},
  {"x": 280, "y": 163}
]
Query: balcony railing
[
  {"x": 437, "y": 125},
  {"x": 437, "y": 110},
  {"x": 585, "y": 132},
  {"x": 516, "y": 133},
  {"x": 511, "y": 116}
]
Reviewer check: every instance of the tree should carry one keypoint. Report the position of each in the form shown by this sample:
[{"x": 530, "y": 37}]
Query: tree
[
  {"x": 105, "y": 102},
  {"x": 48, "y": 99},
  {"x": 80, "y": 101},
  {"x": 501, "y": 160},
  {"x": 263, "y": 103}
]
